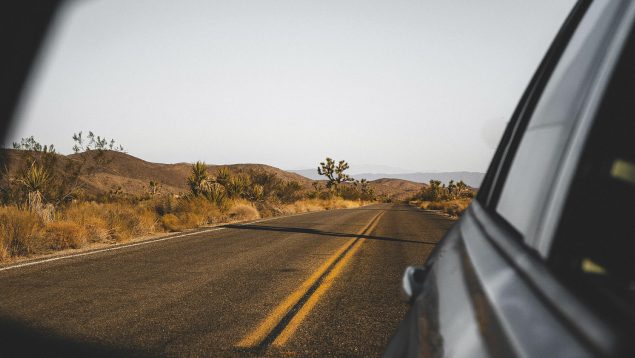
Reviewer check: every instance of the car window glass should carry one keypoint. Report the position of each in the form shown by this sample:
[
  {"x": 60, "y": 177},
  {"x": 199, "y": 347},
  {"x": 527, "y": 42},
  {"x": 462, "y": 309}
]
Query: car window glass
[
  {"x": 537, "y": 158},
  {"x": 531, "y": 173},
  {"x": 593, "y": 245}
]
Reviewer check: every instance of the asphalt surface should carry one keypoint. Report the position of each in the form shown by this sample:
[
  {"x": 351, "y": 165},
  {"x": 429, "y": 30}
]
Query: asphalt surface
[{"x": 318, "y": 284}]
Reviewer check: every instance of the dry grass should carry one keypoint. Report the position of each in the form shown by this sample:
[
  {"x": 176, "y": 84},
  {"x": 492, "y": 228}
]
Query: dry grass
[
  {"x": 190, "y": 213},
  {"x": 302, "y": 206},
  {"x": 453, "y": 208},
  {"x": 243, "y": 210},
  {"x": 23, "y": 233},
  {"x": 111, "y": 222},
  {"x": 171, "y": 222},
  {"x": 20, "y": 232},
  {"x": 199, "y": 211},
  {"x": 308, "y": 205},
  {"x": 60, "y": 235},
  {"x": 339, "y": 203}
]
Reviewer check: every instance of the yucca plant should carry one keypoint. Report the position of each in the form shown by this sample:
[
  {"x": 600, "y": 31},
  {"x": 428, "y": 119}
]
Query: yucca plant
[
  {"x": 198, "y": 181},
  {"x": 236, "y": 187},
  {"x": 223, "y": 176},
  {"x": 216, "y": 193},
  {"x": 257, "y": 192},
  {"x": 36, "y": 178}
]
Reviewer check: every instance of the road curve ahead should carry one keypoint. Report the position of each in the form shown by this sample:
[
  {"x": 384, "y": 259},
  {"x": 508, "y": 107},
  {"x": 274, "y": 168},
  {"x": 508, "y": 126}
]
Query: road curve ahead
[{"x": 318, "y": 284}]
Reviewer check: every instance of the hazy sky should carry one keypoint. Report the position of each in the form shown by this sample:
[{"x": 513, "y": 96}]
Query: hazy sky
[{"x": 420, "y": 85}]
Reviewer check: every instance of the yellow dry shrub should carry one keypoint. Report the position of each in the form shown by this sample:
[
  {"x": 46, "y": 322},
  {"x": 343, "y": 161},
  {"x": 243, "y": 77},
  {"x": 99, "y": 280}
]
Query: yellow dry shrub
[
  {"x": 96, "y": 229},
  {"x": 303, "y": 206},
  {"x": 60, "y": 235},
  {"x": 453, "y": 208},
  {"x": 191, "y": 220},
  {"x": 243, "y": 210},
  {"x": 309, "y": 205},
  {"x": 20, "y": 232},
  {"x": 171, "y": 222},
  {"x": 198, "y": 211},
  {"x": 184, "y": 221},
  {"x": 113, "y": 221},
  {"x": 127, "y": 221},
  {"x": 92, "y": 217},
  {"x": 148, "y": 221},
  {"x": 339, "y": 203},
  {"x": 191, "y": 213}
]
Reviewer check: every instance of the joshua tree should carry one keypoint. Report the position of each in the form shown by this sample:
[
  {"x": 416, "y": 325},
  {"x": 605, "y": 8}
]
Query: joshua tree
[
  {"x": 257, "y": 192},
  {"x": 462, "y": 188},
  {"x": 237, "y": 186},
  {"x": 198, "y": 181},
  {"x": 223, "y": 176},
  {"x": 269, "y": 181},
  {"x": 216, "y": 193},
  {"x": 334, "y": 173},
  {"x": 368, "y": 193},
  {"x": 93, "y": 142},
  {"x": 452, "y": 190},
  {"x": 435, "y": 190}
]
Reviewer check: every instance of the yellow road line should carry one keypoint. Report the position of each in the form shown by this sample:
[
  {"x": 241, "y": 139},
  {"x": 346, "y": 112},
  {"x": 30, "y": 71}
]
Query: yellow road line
[
  {"x": 255, "y": 337},
  {"x": 293, "y": 325}
]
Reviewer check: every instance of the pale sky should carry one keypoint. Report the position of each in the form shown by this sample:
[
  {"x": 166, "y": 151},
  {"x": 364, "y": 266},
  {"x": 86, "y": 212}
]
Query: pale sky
[{"x": 420, "y": 85}]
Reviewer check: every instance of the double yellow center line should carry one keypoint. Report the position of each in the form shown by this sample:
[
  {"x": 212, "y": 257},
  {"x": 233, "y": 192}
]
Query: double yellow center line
[{"x": 284, "y": 320}]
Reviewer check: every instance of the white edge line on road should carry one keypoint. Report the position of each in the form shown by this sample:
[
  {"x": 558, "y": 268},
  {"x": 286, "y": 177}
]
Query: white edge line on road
[
  {"x": 31, "y": 263},
  {"x": 151, "y": 241}
]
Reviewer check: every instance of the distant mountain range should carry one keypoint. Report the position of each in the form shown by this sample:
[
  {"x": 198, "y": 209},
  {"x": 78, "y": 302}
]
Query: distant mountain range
[{"x": 472, "y": 179}]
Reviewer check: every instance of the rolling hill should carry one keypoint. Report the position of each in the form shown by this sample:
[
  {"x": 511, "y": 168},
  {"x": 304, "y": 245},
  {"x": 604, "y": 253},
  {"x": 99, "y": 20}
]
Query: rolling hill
[{"x": 132, "y": 175}]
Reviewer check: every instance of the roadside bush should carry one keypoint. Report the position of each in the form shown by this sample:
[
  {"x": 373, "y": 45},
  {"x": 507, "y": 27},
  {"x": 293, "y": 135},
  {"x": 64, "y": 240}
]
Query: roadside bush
[
  {"x": 125, "y": 222},
  {"x": 453, "y": 208},
  {"x": 339, "y": 203},
  {"x": 164, "y": 205},
  {"x": 243, "y": 210},
  {"x": 96, "y": 229},
  {"x": 308, "y": 205},
  {"x": 20, "y": 232},
  {"x": 201, "y": 210},
  {"x": 190, "y": 220},
  {"x": 91, "y": 217},
  {"x": 303, "y": 206},
  {"x": 171, "y": 222},
  {"x": 60, "y": 235},
  {"x": 112, "y": 222}
]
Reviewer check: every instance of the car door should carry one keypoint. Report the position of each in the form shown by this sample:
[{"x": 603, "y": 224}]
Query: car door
[{"x": 488, "y": 289}]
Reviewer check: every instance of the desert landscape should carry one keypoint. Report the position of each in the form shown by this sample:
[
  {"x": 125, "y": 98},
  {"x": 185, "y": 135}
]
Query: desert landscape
[{"x": 102, "y": 195}]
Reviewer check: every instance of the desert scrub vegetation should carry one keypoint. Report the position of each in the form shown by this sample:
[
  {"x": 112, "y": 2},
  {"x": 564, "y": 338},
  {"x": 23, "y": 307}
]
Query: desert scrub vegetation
[
  {"x": 20, "y": 232},
  {"x": 452, "y": 199},
  {"x": 45, "y": 206}
]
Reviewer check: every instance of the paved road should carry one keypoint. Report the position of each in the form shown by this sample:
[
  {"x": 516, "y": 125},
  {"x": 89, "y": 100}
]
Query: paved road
[{"x": 319, "y": 284}]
